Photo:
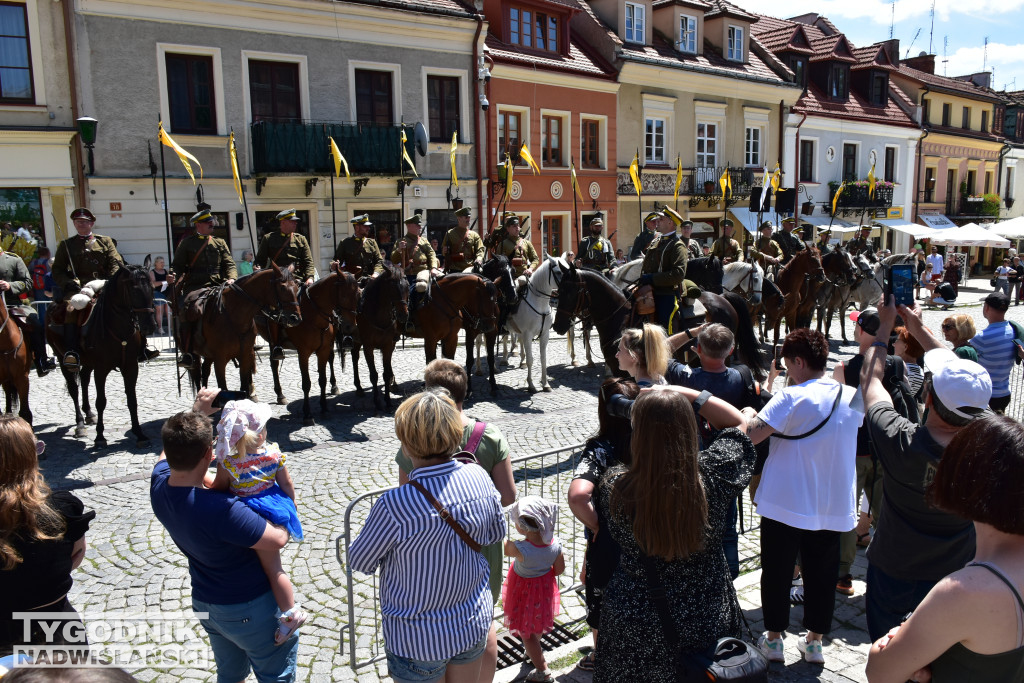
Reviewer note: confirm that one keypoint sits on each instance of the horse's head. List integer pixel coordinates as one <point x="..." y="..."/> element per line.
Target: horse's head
<point x="570" y="286"/>
<point x="816" y="271"/>
<point x="282" y="298"/>
<point x="393" y="295"/>
<point x="498" y="271"/>
<point x="346" y="294"/>
<point x="849" y="273"/>
<point x="131" y="284"/>
<point x="756" y="283"/>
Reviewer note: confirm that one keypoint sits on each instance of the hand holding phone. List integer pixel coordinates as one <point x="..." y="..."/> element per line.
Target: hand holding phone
<point x="899" y="283"/>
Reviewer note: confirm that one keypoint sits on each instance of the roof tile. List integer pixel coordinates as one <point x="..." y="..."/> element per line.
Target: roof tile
<point x="814" y="102"/>
<point x="663" y="52"/>
<point x="577" y="61"/>
<point x="951" y="84"/>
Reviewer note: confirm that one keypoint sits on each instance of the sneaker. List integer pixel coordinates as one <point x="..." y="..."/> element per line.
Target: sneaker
<point x="845" y="585"/>
<point x="811" y="650"/>
<point x="771" y="649"/>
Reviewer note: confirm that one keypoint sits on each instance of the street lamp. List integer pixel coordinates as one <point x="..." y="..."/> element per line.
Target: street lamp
<point x="87" y="131"/>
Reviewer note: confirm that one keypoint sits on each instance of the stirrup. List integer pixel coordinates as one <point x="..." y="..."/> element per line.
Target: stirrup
<point x="347" y="343"/>
<point x="149" y="353"/>
<point x="277" y="353"/>
<point x="187" y="361"/>
<point x="72" y="362"/>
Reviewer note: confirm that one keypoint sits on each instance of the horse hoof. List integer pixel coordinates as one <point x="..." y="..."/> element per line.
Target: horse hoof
<point x="281" y="400"/>
<point x="80" y="432"/>
<point x="360" y="392"/>
<point x="590" y="363"/>
<point x="575" y="363"/>
<point x="547" y="388"/>
<point x="90" y="419"/>
<point x="522" y="365"/>
<point x="308" y="421"/>
<point x="100" y="443"/>
<point x="142" y="443"/>
<point x="335" y="390"/>
<point x="479" y="373"/>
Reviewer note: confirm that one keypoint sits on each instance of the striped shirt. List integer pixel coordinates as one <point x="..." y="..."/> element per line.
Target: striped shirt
<point x="996" y="352"/>
<point x="434" y="594"/>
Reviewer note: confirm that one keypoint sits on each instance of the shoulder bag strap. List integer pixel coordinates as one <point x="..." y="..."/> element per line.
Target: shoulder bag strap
<point x="475" y="436"/>
<point x="196" y="256"/>
<point x="284" y="246"/>
<point x="821" y="424"/>
<point x="691" y="670"/>
<point x="446" y="516"/>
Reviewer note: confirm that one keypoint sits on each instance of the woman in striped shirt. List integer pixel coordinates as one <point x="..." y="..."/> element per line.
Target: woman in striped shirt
<point x="435" y="599"/>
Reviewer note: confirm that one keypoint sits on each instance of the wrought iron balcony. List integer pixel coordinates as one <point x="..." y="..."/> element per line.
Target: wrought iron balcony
<point x="287" y="147"/>
<point x="698" y="181"/>
<point x="855" y="196"/>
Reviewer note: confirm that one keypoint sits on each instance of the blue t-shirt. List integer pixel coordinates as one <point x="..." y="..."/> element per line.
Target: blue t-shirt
<point x="996" y="352"/>
<point x="216" y="531"/>
<point x="726" y="385"/>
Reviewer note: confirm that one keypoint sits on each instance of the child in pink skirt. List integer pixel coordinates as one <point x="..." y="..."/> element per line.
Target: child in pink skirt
<point x="530" y="593"/>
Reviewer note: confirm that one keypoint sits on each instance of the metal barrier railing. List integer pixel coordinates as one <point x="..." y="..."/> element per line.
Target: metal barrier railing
<point x="1016" y="407"/>
<point x="546" y="474"/>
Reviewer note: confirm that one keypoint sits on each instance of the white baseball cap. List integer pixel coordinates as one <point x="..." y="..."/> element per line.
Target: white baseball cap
<point x="963" y="386"/>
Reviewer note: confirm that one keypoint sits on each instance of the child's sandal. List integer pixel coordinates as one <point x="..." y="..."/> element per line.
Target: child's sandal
<point x="538" y="676"/>
<point x="288" y="624"/>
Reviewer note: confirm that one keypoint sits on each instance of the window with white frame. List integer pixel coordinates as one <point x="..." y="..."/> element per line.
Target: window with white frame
<point x="554" y="132"/>
<point x="687" y="34"/>
<point x="752" y="146"/>
<point x="707" y="143"/>
<point x="654" y="140"/>
<point x="889" y="165"/>
<point x="16" y="82"/>
<point x="191" y="87"/>
<point x="635" y="22"/>
<point x="735" y="51"/>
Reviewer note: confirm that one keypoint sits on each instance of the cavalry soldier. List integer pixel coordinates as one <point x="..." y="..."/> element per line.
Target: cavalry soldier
<point x="80" y="259"/>
<point x="692" y="246"/>
<point x="725" y="247"/>
<point x="595" y="251"/>
<point x="286" y="248"/>
<point x="787" y="241"/>
<point x="664" y="268"/>
<point x="15" y="281"/>
<point x="201" y="260"/>
<point x="824" y="235"/>
<point x="414" y="255"/>
<point x="462" y="247"/>
<point x="519" y="251"/>
<point x="359" y="254"/>
<point x="766" y="250"/>
<point x="861" y="244"/>
<point x="648" y="231"/>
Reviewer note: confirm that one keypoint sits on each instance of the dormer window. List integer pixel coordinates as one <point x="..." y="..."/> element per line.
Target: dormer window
<point x="635" y="23"/>
<point x="531" y="29"/>
<point x="879" y="91"/>
<point x="798" y="64"/>
<point x="687" y="34"/>
<point x="838" y="82"/>
<point x="735" y="47"/>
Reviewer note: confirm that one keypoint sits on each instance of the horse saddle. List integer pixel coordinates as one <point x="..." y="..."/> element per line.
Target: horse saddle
<point x="194" y="304"/>
<point x="643" y="300"/>
<point x="57" y="315"/>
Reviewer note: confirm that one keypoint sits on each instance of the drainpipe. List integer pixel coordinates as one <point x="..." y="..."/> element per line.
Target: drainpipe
<point x="796" y="172"/>
<point x="474" y="69"/>
<point x="76" y="153"/>
<point x="920" y="140"/>
<point x="999" y="173"/>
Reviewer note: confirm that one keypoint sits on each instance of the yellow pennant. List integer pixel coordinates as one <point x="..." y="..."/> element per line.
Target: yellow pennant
<point x="575" y="181"/>
<point x="524" y="152"/>
<point x="776" y="178"/>
<point x="455" y="147"/>
<point x="835" y="199"/>
<point x="872" y="181"/>
<point x="508" y="177"/>
<point x="339" y="160"/>
<point x="634" y="173"/>
<point x="234" y="169"/>
<point x="679" y="176"/>
<point x="180" y="151"/>
<point x="405" y="155"/>
<point x="725" y="182"/>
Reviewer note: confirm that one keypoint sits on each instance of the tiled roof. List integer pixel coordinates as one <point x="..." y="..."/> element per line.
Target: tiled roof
<point x="662" y="52"/>
<point x="577" y="61"/>
<point x="965" y="88"/>
<point x="964" y="132"/>
<point x="814" y="102"/>
<point x="896" y="91"/>
<point x="776" y="34"/>
<point x="445" y="7"/>
<point x="831" y="48"/>
<point x="721" y="7"/>
<point x="868" y="58"/>
<point x="783" y="37"/>
<point x="700" y="4"/>
<point x="1015" y="97"/>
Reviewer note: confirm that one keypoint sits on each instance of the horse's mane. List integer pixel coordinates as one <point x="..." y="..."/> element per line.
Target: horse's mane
<point x="371" y="292"/>
<point x="602" y="281"/>
<point x="898" y="259"/>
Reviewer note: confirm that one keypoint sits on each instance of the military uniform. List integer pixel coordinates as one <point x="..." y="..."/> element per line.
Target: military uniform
<point x="595" y="252"/>
<point x="360" y="256"/>
<point x="81" y="259"/>
<point x="765" y="246"/>
<point x="693" y="249"/>
<point x="860" y="245"/>
<point x="789" y="244"/>
<point x="416" y="258"/>
<point x="641" y="243"/>
<point x="664" y="268"/>
<point x="726" y="247"/>
<point x="15" y="273"/>
<point x="202" y="261"/>
<point x="520" y="253"/>
<point x="461" y="250"/>
<point x="286" y="250"/>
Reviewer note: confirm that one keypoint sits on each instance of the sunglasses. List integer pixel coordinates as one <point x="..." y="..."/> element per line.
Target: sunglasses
<point x="948" y="327"/>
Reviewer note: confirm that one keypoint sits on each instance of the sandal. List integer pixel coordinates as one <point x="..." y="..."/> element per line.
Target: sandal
<point x="288" y="624"/>
<point x="538" y="676"/>
<point x="588" y="663"/>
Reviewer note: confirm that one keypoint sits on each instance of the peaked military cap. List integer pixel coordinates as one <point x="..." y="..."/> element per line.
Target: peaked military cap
<point x="287" y="215"/>
<point x="653" y="216"/>
<point x="726" y="223"/>
<point x="789" y="220"/>
<point x="203" y="216"/>
<point x="361" y="219"/>
<point x="83" y="212"/>
<point x="509" y="219"/>
<point x="686" y="224"/>
<point x="415" y="218"/>
<point x="766" y="224"/>
<point x="464" y="211"/>
<point x="596" y="221"/>
<point x="673" y="214"/>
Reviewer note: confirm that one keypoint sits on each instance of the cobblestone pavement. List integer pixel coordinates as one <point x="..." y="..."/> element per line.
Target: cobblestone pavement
<point x="131" y="564"/>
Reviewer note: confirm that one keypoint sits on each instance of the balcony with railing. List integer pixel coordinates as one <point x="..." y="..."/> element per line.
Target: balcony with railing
<point x="699" y="183"/>
<point x="302" y="147"/>
<point x="857" y="195"/>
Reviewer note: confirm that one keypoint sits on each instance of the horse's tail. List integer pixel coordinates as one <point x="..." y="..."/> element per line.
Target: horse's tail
<point x="746" y="342"/>
<point x="338" y="348"/>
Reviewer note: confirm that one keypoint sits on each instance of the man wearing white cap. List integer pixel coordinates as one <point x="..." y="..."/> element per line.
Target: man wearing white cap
<point x="915" y="545"/>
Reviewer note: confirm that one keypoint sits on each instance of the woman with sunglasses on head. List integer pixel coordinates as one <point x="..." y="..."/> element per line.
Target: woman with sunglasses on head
<point x="958" y="330"/>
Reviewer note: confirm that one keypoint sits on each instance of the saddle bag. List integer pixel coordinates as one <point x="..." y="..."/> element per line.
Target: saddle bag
<point x="643" y="300"/>
<point x="516" y="262"/>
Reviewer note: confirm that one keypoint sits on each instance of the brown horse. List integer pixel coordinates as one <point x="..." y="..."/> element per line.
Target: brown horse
<point x="322" y="305"/>
<point x="382" y="315"/>
<point x="111" y="339"/>
<point x="15" y="362"/>
<point x="798" y="281"/>
<point x="459" y="301"/>
<point x="840" y="276"/>
<point x="228" y="330"/>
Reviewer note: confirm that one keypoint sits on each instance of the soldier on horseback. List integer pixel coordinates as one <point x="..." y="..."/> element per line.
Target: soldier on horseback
<point x="861" y="244"/>
<point x="787" y="241"/>
<point x="80" y="259"/>
<point x="664" y="268"/>
<point x="693" y="249"/>
<point x="15" y="281"/>
<point x="648" y="232"/>
<point x="595" y="251"/>
<point x="766" y="250"/>
<point x="414" y="255"/>
<point x="359" y="254"/>
<point x="725" y="247"/>
<point x="285" y="248"/>
<point x="462" y="247"/>
<point x="519" y="251"/>
<point x="824" y="235"/>
<point x="200" y="261"/>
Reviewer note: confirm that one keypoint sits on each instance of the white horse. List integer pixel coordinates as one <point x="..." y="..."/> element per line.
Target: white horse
<point x="744" y="277"/>
<point x="869" y="290"/>
<point x="627" y="274"/>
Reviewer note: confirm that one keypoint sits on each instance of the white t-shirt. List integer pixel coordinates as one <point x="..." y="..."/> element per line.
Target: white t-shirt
<point x="811" y="483"/>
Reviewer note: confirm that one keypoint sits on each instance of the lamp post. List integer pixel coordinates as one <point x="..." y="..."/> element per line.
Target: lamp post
<point x="87" y="131"/>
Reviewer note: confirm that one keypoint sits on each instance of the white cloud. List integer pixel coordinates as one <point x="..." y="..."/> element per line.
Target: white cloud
<point x="880" y="12"/>
<point x="1005" y="60"/>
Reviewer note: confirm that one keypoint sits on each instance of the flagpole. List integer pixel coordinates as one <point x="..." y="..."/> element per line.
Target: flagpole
<point x="639" y="190"/>
<point x="575" y="208"/>
<point x="401" y="170"/>
<point x="170" y="252"/>
<point x="334" y="216"/>
<point x="245" y="204"/>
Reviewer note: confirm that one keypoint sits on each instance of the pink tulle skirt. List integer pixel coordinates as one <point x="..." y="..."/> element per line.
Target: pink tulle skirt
<point x="530" y="604"/>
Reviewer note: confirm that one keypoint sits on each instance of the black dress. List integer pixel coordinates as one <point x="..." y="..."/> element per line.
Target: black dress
<point x="699" y="590"/>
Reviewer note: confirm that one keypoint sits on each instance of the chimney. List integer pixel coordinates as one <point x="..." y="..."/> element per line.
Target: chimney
<point x="923" y="62"/>
<point x="892" y="48"/>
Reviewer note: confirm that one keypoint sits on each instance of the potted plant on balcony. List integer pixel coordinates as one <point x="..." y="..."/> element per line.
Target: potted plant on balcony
<point x="990" y="205"/>
<point x="709" y="187"/>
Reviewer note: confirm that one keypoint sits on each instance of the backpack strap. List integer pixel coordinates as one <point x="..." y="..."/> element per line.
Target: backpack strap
<point x="475" y="437"/>
<point x="821" y="424"/>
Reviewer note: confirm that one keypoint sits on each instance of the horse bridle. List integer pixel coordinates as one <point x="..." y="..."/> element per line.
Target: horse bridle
<point x="275" y="312"/>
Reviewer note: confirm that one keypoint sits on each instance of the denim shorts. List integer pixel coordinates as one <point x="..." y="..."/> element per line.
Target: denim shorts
<point x="242" y="639"/>
<point x="408" y="670"/>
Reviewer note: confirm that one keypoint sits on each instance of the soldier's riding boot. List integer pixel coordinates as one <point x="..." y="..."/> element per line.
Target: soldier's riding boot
<point x="146" y="351"/>
<point x="71" y="361"/>
<point x="186" y="360"/>
<point x="43" y="361"/>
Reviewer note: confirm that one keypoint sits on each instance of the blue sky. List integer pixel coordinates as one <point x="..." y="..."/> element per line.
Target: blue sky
<point x="963" y="24"/>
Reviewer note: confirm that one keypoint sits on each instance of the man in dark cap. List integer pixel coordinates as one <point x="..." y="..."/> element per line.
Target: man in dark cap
<point x="664" y="268"/>
<point x="824" y="235"/>
<point x="595" y="251"/>
<point x="15" y="281"/>
<point x="861" y="244"/>
<point x="766" y="250"/>
<point x="519" y="251"/>
<point x="285" y="247"/>
<point x="648" y="231"/>
<point x="462" y="247"/>
<point x="80" y="259"/>
<point x="414" y="255"/>
<point x="725" y="247"/>
<point x="787" y="241"/>
<point x="693" y="247"/>
<point x="201" y="260"/>
<point x="359" y="253"/>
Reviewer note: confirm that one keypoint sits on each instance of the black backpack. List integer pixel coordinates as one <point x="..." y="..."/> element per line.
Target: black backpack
<point x="894" y="378"/>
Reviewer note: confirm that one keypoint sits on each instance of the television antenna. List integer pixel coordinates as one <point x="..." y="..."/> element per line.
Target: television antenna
<point x="912" y="43"/>
<point x="945" y="59"/>
<point x="931" y="31"/>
